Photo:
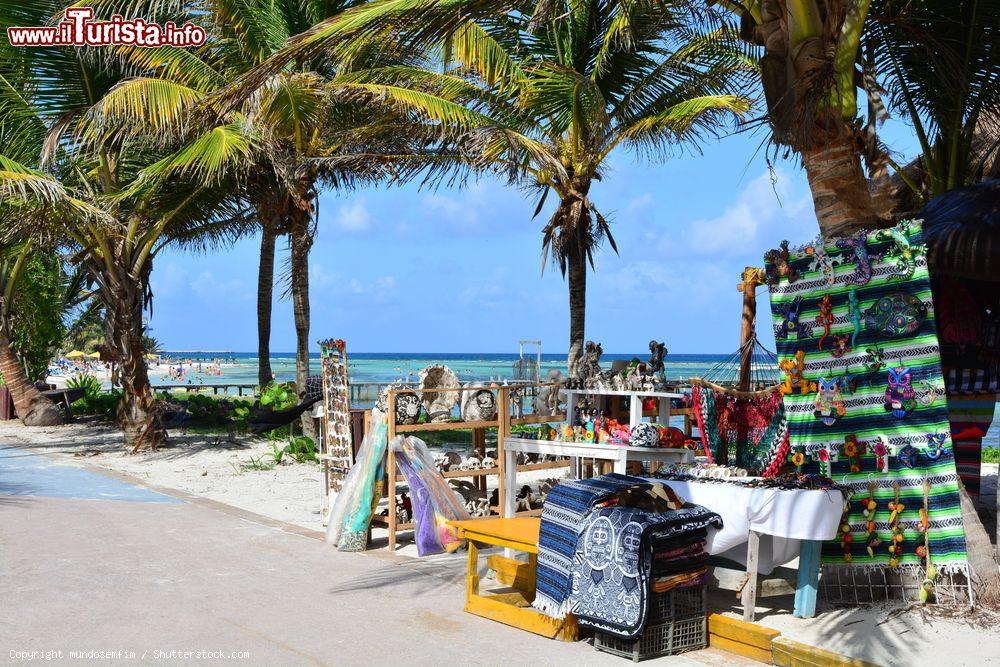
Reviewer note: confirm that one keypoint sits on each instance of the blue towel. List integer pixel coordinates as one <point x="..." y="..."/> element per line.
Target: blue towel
<point x="566" y="506"/>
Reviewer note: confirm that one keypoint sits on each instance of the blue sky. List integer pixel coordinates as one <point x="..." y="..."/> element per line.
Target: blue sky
<point x="459" y="270"/>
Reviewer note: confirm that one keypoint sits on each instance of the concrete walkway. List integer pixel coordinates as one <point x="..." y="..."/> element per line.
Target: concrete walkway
<point x="97" y="563"/>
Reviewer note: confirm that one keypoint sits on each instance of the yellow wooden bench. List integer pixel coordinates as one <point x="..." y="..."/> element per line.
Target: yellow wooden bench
<point x="519" y="534"/>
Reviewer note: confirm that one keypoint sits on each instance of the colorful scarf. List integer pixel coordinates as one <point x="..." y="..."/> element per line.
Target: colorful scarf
<point x="863" y="406"/>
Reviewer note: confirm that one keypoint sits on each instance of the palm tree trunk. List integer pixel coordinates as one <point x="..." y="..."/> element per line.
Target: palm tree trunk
<point x="300" y="239"/>
<point x="839" y="189"/>
<point x="576" y="276"/>
<point x="265" y="295"/>
<point x="137" y="414"/>
<point x="33" y="408"/>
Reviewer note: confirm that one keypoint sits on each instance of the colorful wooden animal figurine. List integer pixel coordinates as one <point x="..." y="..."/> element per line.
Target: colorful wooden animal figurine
<point x="900" y="399"/>
<point x="825" y="318"/>
<point x="896" y="315"/>
<point x="856" y="250"/>
<point x="935" y="445"/>
<point x="794" y="379"/>
<point x="790" y="324"/>
<point x="829" y="401"/>
<point x="875" y="360"/>
<point x="905" y="252"/>
<point x="777" y="265"/>
<point x="823" y="261"/>
<point x="929" y="393"/>
<point x="841" y="346"/>
<point x="854" y="315"/>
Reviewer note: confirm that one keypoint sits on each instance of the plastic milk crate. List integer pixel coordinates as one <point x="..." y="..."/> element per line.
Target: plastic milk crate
<point x="677" y="623"/>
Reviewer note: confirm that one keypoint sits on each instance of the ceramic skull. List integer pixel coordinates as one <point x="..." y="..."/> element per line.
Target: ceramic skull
<point x="644" y="435"/>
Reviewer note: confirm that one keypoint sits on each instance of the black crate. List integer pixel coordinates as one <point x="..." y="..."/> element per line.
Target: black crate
<point x="669" y="638"/>
<point x="677" y="603"/>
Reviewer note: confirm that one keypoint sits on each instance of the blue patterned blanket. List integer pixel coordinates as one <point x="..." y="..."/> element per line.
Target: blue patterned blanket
<point x="566" y="507"/>
<point x="611" y="566"/>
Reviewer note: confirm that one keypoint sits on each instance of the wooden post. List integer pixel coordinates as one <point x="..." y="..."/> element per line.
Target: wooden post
<point x="391" y="468"/>
<point x="808" y="579"/>
<point x="749" y="595"/>
<point x="751" y="278"/>
<point x="503" y="432"/>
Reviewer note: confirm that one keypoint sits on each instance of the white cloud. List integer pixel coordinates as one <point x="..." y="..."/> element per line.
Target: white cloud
<point x="353" y="216"/>
<point x="763" y="213"/>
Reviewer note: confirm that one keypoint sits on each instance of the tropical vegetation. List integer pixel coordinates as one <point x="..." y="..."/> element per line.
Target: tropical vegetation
<point x="108" y="156"/>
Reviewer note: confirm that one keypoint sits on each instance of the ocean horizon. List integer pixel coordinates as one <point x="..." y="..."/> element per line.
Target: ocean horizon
<point x="241" y="367"/>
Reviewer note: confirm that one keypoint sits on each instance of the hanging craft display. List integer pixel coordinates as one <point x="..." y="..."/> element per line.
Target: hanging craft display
<point x="337" y="442"/>
<point x="860" y="401"/>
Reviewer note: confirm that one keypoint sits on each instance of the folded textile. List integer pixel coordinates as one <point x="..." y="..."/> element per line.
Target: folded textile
<point x="692" y="549"/>
<point x="682" y="565"/>
<point x="669" y="543"/>
<point x="682" y="580"/>
<point x="612" y="562"/>
<point x="566" y="507"/>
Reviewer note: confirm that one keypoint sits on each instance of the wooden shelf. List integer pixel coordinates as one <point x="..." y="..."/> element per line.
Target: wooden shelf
<point x="537" y="419"/>
<point x="445" y="426"/>
<point x="479" y="472"/>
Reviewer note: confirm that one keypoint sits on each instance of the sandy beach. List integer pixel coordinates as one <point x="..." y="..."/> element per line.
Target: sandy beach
<point x="211" y="467"/>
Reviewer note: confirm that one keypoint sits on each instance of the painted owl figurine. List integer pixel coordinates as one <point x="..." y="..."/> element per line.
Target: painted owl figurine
<point x="900" y="399"/>
<point x="829" y="401"/>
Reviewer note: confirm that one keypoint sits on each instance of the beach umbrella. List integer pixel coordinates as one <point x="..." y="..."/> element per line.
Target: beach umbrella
<point x="75" y="354"/>
<point x="152" y="356"/>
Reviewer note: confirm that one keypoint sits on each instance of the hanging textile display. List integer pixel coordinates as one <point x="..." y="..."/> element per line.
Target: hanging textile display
<point x="434" y="502"/>
<point x="855" y="330"/>
<point x="749" y="427"/>
<point x="352" y="510"/>
<point x="336" y="412"/>
<point x="971" y="416"/>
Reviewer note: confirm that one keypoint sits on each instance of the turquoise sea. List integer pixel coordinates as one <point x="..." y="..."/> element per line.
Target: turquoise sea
<point x="241" y="368"/>
<point x="389" y="367"/>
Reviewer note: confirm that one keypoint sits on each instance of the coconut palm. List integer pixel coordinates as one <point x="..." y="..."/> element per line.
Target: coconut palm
<point x="544" y="101"/>
<point x="808" y="73"/>
<point x="941" y="72"/>
<point x="301" y="130"/>
<point x="115" y="173"/>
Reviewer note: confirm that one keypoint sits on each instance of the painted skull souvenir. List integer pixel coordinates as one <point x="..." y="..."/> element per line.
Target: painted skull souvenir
<point x="644" y="435"/>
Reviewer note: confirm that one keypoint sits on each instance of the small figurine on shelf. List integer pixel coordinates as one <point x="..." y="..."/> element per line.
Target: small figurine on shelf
<point x="523" y="499"/>
<point x="404" y="510"/>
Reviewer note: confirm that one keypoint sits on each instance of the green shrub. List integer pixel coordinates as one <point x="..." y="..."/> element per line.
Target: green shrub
<point x="88" y="382"/>
<point x="101" y="405"/>
<point x="991" y="455"/>
<point x="301" y="448"/>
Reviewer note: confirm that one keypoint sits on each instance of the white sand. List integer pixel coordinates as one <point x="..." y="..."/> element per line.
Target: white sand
<point x="210" y="467"/>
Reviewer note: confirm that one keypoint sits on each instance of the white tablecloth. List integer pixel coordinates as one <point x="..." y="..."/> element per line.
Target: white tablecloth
<point x="782" y="518"/>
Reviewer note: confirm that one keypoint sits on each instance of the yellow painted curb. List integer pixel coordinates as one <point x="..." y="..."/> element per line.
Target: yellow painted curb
<point x="789" y="653"/>
<point x="769" y="647"/>
<point x="746" y="639"/>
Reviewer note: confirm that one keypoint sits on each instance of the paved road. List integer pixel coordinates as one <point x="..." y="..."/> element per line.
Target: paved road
<point x="91" y="562"/>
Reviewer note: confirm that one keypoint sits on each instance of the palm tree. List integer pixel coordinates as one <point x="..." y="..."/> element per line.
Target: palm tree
<point x="33" y="408"/>
<point x="941" y="72"/>
<point x="808" y="72"/>
<point x="544" y="100"/>
<point x="116" y="173"/>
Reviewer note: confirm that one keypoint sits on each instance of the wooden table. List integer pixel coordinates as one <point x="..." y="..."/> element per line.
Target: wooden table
<point x="517" y="534"/>
<point x="620" y="455"/>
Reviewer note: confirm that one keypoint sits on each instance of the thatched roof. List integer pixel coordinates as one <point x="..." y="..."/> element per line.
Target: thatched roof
<point x="963" y="232"/>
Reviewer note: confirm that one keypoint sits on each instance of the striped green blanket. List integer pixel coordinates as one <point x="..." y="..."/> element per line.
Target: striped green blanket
<point x="863" y="391"/>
